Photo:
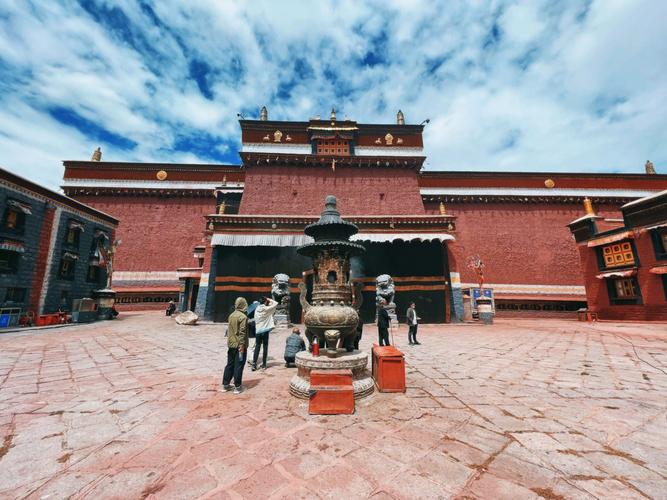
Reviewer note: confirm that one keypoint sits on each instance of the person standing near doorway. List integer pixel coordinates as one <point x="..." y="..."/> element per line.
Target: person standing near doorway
<point x="237" y="342"/>
<point x="263" y="326"/>
<point x="383" y="323"/>
<point x="251" y="328"/>
<point x="413" y="320"/>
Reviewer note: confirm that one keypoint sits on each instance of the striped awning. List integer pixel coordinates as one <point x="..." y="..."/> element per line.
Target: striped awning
<point x="23" y="207"/>
<point x="296" y="240"/>
<point x="612" y="238"/>
<point x="12" y="246"/>
<point x="617" y="274"/>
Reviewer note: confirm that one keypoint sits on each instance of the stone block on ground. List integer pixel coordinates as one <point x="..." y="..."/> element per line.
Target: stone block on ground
<point x="186" y="318"/>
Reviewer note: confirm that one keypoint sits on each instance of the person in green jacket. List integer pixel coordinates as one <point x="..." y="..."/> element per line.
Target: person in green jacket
<point x="237" y="345"/>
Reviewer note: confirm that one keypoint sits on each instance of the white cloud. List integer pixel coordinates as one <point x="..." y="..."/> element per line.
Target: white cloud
<point x="566" y="87"/>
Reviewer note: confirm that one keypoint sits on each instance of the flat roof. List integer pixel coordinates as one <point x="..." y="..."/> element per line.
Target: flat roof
<point x="53" y="195"/>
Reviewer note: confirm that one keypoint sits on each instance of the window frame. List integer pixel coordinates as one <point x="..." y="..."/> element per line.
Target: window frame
<point x="615" y="300"/>
<point x="659" y="239"/>
<point x="70" y="273"/>
<point x="600" y="256"/>
<point x="14" y="257"/>
<point x="19" y="228"/>
<point x="8" y="299"/>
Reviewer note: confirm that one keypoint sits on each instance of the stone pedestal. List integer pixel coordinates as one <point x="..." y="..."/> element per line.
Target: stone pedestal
<point x="281" y="320"/>
<point x="484" y="310"/>
<point x="106" y="299"/>
<point x="362" y="382"/>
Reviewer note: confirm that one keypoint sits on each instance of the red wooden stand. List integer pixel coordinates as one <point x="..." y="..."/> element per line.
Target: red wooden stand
<point x="331" y="392"/>
<point x="388" y="369"/>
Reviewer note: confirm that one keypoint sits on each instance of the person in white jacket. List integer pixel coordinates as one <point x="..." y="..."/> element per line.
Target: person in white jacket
<point x="263" y="326"/>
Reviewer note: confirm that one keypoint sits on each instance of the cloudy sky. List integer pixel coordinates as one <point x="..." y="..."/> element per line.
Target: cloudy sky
<point x="551" y="86"/>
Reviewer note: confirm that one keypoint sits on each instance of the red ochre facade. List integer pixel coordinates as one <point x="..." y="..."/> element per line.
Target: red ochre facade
<point x="300" y="191"/>
<point x="523" y="239"/>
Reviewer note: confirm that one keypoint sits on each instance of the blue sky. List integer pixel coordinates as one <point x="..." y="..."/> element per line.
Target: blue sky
<point x="528" y="86"/>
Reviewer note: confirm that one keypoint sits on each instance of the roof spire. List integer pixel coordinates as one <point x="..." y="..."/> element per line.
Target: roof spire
<point x="588" y="206"/>
<point x="400" y="119"/>
<point x="263" y="114"/>
<point x="333" y="114"/>
<point x="97" y="155"/>
<point x="649" y="167"/>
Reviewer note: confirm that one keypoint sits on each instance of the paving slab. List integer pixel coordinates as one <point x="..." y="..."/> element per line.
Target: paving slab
<point x="132" y="408"/>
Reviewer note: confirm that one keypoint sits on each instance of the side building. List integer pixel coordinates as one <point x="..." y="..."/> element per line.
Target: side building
<point x="624" y="261"/>
<point x="51" y="248"/>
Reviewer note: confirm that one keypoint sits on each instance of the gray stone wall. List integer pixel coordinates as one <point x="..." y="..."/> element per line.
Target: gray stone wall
<point x="63" y="291"/>
<point x="75" y="288"/>
<point x="23" y="277"/>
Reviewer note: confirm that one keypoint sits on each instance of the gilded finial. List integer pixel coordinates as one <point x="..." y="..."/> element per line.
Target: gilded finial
<point x="221" y="208"/>
<point x="400" y="119"/>
<point x="442" y="208"/>
<point x="588" y="206"/>
<point x="649" y="167"/>
<point x="333" y="114"/>
<point x="263" y="114"/>
<point x="224" y="180"/>
<point x="97" y="155"/>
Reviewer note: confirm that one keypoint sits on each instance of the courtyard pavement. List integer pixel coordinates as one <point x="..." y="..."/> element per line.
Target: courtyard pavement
<point x="522" y="409"/>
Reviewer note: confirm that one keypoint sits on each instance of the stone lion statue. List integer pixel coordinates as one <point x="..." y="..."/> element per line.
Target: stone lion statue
<point x="384" y="289"/>
<point x="280" y="292"/>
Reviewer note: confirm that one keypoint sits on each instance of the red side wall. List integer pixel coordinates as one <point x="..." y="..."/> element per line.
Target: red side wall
<point x="519" y="243"/>
<point x="301" y="191"/>
<point x="654" y="305"/>
<point x="157" y="233"/>
<point x="42" y="259"/>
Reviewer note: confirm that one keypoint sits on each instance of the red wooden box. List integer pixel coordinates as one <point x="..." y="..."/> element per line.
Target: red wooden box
<point x="388" y="369"/>
<point x="331" y="377"/>
<point x="331" y="400"/>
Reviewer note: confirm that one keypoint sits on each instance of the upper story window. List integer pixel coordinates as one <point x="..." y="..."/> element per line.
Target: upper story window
<point x="10" y="255"/>
<point x="618" y="255"/>
<point x="67" y="266"/>
<point x="73" y="235"/>
<point x="14" y="217"/>
<point x="659" y="237"/>
<point x="335" y="147"/>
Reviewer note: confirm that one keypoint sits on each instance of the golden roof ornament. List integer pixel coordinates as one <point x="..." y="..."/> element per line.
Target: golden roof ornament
<point x="221" y="208"/>
<point x="263" y="114"/>
<point x="649" y="167"/>
<point x="333" y="114"/>
<point x="161" y="175"/>
<point x="97" y="155"/>
<point x="549" y="183"/>
<point x="400" y="119"/>
<point x="277" y="136"/>
<point x="389" y="139"/>
<point x="442" y="209"/>
<point x="588" y="206"/>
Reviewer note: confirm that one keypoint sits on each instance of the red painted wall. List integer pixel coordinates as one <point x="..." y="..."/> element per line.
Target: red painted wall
<point x="654" y="305"/>
<point x="519" y="243"/>
<point x="301" y="191"/>
<point x="157" y="233"/>
<point x="42" y="259"/>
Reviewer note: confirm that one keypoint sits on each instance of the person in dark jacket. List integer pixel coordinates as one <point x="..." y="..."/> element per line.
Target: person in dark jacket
<point x="383" y="323"/>
<point x="251" y="328"/>
<point x="171" y="308"/>
<point x="293" y="345"/>
<point x="360" y="332"/>
<point x="237" y="345"/>
<point x="413" y="320"/>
